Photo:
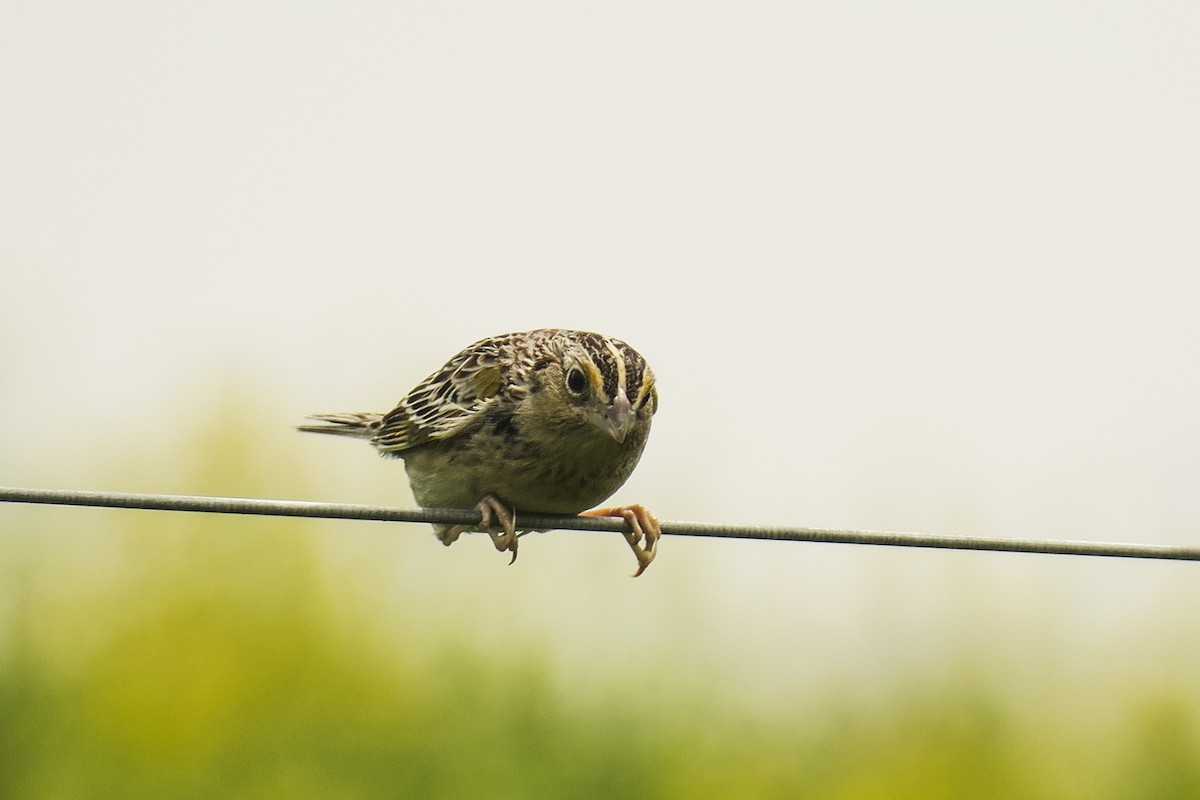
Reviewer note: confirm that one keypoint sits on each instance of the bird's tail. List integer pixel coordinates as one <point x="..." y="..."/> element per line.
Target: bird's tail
<point x="360" y="425"/>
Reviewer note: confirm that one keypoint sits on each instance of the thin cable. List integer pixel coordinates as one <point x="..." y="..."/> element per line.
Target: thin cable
<point x="303" y="508"/>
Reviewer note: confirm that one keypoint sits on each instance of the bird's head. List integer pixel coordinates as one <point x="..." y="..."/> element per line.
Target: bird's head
<point x="601" y="381"/>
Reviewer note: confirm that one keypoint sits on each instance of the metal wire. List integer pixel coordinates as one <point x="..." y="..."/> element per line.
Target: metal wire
<point x="302" y="508"/>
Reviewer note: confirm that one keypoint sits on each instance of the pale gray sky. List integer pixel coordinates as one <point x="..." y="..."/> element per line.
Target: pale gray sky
<point x="912" y="266"/>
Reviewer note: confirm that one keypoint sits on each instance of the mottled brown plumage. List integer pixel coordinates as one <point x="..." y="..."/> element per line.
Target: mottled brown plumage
<point x="550" y="421"/>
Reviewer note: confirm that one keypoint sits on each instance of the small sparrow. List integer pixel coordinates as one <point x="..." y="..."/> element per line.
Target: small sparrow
<point x="547" y="421"/>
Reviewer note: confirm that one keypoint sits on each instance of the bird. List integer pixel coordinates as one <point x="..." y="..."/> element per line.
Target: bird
<point x="549" y="421"/>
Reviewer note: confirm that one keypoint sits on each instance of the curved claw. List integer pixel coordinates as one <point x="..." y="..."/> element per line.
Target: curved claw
<point x="492" y="510"/>
<point x="643" y="527"/>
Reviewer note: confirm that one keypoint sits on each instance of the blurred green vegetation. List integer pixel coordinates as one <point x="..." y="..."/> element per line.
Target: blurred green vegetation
<point x="173" y="655"/>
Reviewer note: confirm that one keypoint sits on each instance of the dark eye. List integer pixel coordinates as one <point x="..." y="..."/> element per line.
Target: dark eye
<point x="576" y="380"/>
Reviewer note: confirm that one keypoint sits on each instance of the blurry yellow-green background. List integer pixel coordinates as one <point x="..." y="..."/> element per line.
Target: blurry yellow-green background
<point x="908" y="267"/>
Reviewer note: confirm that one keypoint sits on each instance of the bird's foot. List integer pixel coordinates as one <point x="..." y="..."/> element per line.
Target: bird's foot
<point x="643" y="532"/>
<point x="493" y="512"/>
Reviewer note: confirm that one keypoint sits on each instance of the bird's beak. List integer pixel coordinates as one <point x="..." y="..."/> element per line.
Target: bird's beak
<point x="618" y="417"/>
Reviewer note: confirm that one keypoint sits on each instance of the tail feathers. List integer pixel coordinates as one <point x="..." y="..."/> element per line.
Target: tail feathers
<point x="358" y="426"/>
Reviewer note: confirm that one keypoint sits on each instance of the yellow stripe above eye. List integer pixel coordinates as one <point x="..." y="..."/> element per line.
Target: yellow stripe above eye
<point x="594" y="375"/>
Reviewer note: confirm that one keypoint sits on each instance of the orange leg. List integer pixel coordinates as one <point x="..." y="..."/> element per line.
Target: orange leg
<point x="643" y="533"/>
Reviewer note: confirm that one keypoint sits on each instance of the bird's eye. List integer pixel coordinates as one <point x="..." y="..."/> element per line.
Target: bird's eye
<point x="576" y="380"/>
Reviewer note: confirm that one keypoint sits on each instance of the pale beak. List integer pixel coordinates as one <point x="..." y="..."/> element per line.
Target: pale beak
<point x="618" y="417"/>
